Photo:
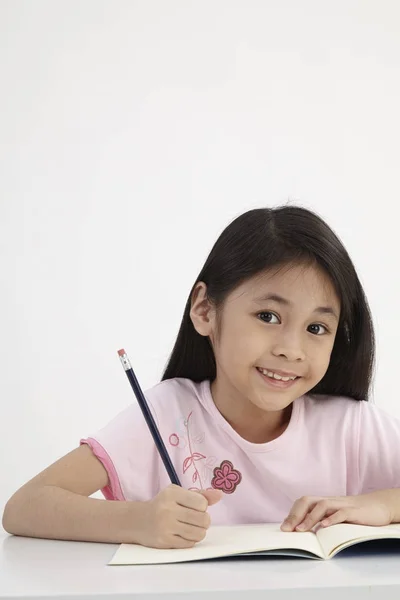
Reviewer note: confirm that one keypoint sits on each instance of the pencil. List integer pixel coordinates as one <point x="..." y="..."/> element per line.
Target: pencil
<point x="148" y="417"/>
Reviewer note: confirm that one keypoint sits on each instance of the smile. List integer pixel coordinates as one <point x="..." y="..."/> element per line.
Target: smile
<point x="273" y="375"/>
<point x="272" y="380"/>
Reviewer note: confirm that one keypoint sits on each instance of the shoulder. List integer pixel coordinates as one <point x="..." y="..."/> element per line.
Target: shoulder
<point x="345" y="410"/>
<point x="174" y="394"/>
<point x="325" y="406"/>
<point x="364" y="438"/>
<point x="165" y="400"/>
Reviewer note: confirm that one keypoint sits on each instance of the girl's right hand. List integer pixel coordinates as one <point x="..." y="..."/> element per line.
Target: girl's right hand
<point x="175" y="518"/>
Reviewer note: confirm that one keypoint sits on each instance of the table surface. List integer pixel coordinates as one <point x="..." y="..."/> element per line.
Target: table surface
<point x="33" y="568"/>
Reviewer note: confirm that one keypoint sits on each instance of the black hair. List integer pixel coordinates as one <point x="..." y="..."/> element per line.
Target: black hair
<point x="263" y="239"/>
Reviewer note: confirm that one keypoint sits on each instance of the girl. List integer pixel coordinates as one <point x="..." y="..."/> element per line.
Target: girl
<point x="263" y="407"/>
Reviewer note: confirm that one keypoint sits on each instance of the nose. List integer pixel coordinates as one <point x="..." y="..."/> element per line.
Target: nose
<point x="290" y="349"/>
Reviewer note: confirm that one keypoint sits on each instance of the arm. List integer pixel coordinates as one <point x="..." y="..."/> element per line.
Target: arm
<point x="55" y="504"/>
<point x="378" y="508"/>
<point x="376" y="473"/>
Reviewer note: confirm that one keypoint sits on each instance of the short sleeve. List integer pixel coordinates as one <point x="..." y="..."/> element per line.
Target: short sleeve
<point x="379" y="449"/>
<point x="127" y="451"/>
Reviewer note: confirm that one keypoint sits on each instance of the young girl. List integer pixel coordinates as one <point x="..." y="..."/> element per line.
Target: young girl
<point x="262" y="407"/>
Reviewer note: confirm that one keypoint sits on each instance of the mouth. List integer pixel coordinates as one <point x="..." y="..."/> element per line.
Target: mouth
<point x="277" y="381"/>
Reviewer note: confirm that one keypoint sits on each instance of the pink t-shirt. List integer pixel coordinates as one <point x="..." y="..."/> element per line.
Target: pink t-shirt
<point x="333" y="446"/>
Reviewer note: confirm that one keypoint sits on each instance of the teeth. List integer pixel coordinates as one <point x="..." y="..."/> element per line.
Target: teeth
<point x="276" y="376"/>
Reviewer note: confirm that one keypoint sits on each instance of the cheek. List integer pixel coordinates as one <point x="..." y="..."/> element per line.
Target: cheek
<point x="319" y="358"/>
<point x="239" y="347"/>
<point x="248" y="352"/>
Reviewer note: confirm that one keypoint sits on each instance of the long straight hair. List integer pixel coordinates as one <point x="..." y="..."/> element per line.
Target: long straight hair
<point x="264" y="239"/>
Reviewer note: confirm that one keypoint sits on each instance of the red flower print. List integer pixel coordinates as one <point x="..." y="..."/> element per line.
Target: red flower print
<point x="226" y="478"/>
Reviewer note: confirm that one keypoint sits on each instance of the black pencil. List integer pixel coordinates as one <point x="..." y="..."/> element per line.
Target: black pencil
<point x="148" y="417"/>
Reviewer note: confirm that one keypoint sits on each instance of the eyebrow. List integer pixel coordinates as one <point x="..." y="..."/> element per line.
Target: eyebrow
<point x="323" y="310"/>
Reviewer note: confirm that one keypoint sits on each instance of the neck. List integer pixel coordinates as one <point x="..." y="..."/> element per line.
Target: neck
<point x="249" y="421"/>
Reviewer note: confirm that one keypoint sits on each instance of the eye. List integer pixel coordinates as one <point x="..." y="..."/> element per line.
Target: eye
<point x="269" y="314"/>
<point x="319" y="325"/>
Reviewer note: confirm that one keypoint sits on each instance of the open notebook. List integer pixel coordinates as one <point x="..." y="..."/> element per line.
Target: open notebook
<point x="236" y="540"/>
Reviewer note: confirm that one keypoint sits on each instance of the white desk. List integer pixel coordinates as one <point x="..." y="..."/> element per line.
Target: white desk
<point x="34" y="569"/>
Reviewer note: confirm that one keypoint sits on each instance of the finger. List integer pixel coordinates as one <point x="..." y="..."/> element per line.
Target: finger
<point x="180" y="542"/>
<point x="322" y="509"/>
<point x="193" y="517"/>
<point x="340" y="516"/>
<point x="190" y="532"/>
<point x="298" y="512"/>
<point x="212" y="496"/>
<point x="190" y="499"/>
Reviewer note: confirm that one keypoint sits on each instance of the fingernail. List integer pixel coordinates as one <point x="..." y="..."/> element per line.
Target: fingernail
<point x="300" y="527"/>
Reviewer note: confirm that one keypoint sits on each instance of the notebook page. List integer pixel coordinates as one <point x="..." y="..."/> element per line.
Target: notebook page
<point x="335" y="537"/>
<point x="222" y="541"/>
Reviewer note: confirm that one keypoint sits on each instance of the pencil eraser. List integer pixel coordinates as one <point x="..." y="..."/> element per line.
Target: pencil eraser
<point x="121" y="352"/>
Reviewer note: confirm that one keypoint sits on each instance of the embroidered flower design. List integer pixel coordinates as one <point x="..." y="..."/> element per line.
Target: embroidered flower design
<point x="189" y="461"/>
<point x="174" y="439"/>
<point x="178" y="441"/>
<point x="226" y="478"/>
<point x="188" y="434"/>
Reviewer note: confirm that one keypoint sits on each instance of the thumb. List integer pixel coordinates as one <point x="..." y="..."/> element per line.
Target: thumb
<point x="212" y="496"/>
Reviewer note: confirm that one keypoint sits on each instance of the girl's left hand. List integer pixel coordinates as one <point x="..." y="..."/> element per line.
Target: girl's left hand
<point x="366" y="509"/>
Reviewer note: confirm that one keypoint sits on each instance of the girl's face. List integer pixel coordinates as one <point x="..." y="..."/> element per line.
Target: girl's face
<point x="284" y="322"/>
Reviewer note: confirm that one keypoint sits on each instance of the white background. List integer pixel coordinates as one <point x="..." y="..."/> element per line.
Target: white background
<point x="131" y="134"/>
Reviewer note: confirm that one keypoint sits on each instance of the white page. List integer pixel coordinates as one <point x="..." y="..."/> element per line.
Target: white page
<point x="222" y="541"/>
<point x="347" y="534"/>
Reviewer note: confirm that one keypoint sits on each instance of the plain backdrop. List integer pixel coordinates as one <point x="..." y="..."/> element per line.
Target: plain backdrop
<point x="131" y="134"/>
